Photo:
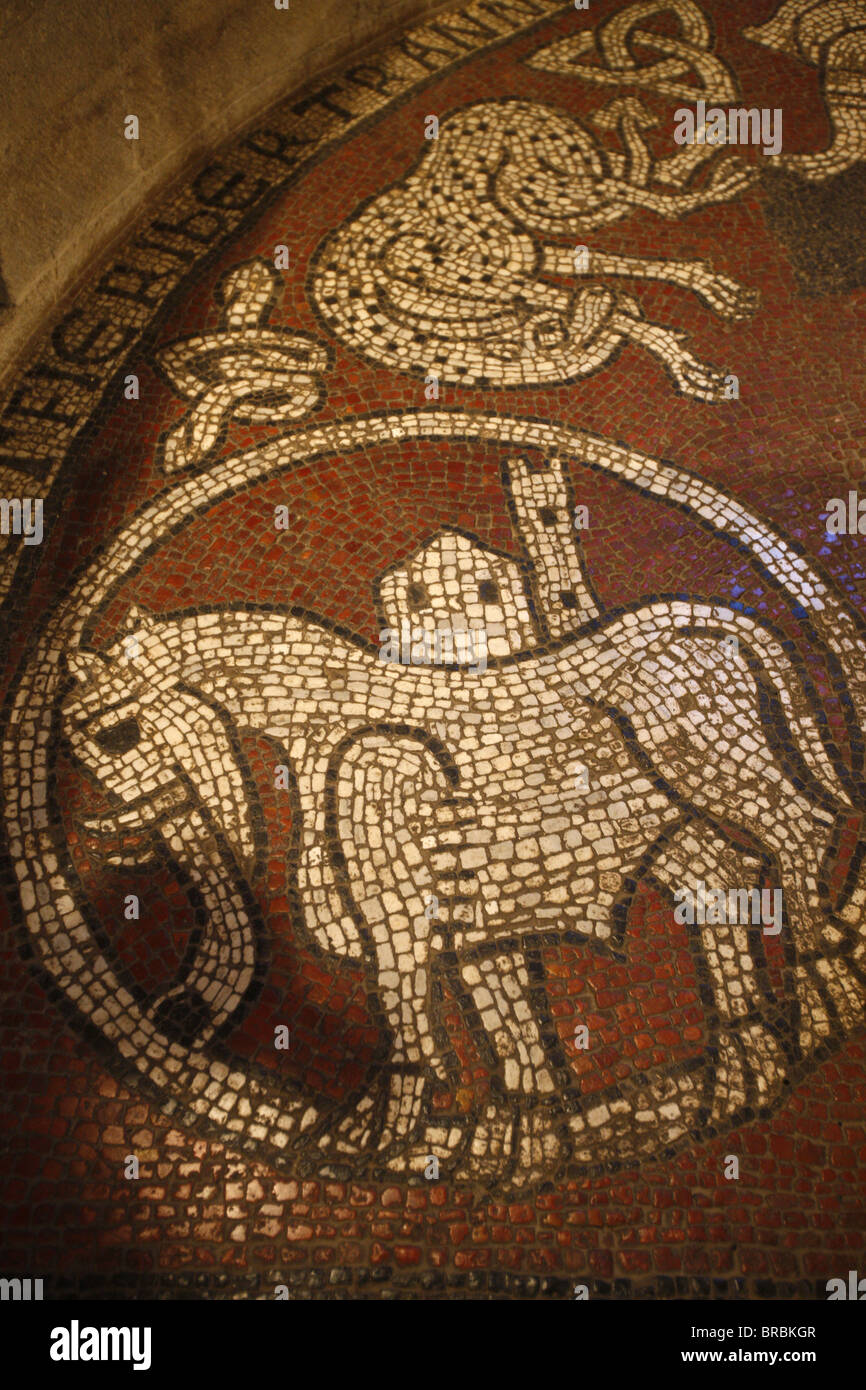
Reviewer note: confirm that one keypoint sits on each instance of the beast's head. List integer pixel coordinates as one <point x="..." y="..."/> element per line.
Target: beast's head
<point x="153" y="743"/>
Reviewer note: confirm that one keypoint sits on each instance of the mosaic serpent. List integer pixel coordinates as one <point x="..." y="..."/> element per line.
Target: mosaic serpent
<point x="399" y="784"/>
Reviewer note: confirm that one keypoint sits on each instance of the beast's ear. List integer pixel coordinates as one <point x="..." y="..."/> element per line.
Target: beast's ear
<point x="85" y="666"/>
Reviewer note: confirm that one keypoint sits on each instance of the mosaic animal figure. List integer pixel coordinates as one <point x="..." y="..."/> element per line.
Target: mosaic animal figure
<point x="457" y="270"/>
<point x="527" y="798"/>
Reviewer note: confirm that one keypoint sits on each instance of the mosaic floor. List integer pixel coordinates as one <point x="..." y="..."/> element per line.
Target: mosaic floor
<point x="433" y="732"/>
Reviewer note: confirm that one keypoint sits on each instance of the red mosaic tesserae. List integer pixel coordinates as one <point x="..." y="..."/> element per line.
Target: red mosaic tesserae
<point x="434" y="712"/>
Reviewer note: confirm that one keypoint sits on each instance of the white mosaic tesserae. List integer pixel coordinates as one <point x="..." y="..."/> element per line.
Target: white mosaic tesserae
<point x="400" y="693"/>
<point x="455" y="784"/>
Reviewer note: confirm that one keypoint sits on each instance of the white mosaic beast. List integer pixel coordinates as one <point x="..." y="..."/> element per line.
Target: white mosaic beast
<point x="448" y="818"/>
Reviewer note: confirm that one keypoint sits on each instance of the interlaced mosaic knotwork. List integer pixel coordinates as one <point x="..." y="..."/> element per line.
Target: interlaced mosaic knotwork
<point x="610" y="54"/>
<point x="247" y="371"/>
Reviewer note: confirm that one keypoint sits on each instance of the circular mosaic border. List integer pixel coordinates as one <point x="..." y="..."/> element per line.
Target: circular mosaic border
<point x="245" y="1110"/>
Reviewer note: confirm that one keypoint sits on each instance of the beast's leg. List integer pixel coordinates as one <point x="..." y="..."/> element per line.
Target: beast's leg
<point x="746" y="1067"/>
<point x="515" y="1135"/>
<point x="500" y="989"/>
<point x="727" y="180"/>
<point x="717" y="751"/>
<point x="721" y="294"/>
<point x="752" y="1066"/>
<point x="693" y="377"/>
<point x="388" y="792"/>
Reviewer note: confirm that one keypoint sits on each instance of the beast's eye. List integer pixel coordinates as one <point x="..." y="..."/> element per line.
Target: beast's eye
<point x="120" y="737"/>
<point x="417" y="596"/>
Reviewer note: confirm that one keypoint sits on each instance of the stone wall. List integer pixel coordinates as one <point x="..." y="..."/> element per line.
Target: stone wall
<point x="193" y="73"/>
